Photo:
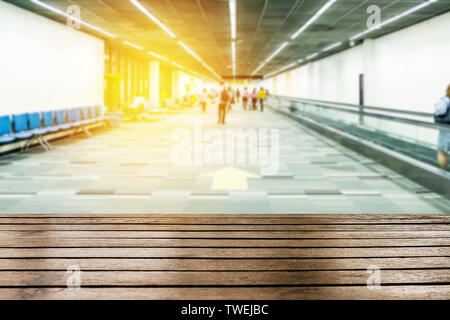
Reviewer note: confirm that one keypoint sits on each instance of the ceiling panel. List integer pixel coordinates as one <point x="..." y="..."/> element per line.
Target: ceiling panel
<point x="262" y="26"/>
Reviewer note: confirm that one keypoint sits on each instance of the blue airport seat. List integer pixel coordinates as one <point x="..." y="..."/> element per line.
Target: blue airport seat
<point x="61" y="120"/>
<point x="96" y="115"/>
<point x="7" y="139"/>
<point x="87" y="118"/>
<point x="74" y="117"/>
<point x="99" y="112"/>
<point x="34" y="121"/>
<point x="20" y="122"/>
<point x="5" y="130"/>
<point x="93" y="113"/>
<point x="49" y="121"/>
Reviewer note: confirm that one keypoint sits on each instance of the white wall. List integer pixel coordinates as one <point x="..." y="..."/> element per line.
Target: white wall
<point x="46" y="65"/>
<point x="408" y="69"/>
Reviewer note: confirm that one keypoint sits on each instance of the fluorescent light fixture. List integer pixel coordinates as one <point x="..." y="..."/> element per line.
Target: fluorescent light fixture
<point x="271" y="57"/>
<point x="177" y="65"/>
<point x="284" y="45"/>
<point x="196" y="57"/>
<point x="62" y="13"/>
<point x="133" y="45"/>
<point x="288" y="66"/>
<point x="233" y="56"/>
<point x="334" y="45"/>
<point x="210" y="69"/>
<point x="312" y="56"/>
<point x="313" y="18"/>
<point x="192" y="53"/>
<point x="233" y="51"/>
<point x="152" y="17"/>
<point x="232" y="6"/>
<point x="282" y="69"/>
<point x="158" y="56"/>
<point x="395" y="18"/>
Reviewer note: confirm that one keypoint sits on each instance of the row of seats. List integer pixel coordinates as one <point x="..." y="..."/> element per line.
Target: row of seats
<point x="27" y="125"/>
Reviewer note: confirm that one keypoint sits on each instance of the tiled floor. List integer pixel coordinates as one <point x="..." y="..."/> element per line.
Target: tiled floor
<point x="130" y="170"/>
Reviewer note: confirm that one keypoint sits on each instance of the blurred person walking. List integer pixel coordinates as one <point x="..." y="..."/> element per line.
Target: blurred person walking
<point x="238" y="95"/>
<point x="203" y="96"/>
<point x="245" y="98"/>
<point x="224" y="100"/>
<point x="254" y="99"/>
<point x="442" y="116"/>
<point x="261" y="97"/>
<point x="232" y="98"/>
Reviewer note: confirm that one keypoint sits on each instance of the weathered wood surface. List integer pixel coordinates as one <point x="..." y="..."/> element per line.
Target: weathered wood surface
<point x="225" y="256"/>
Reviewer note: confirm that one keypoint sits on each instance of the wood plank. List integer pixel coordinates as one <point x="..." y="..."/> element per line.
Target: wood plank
<point x="208" y="278"/>
<point x="222" y="252"/>
<point x="408" y="292"/>
<point x="236" y="219"/>
<point x="215" y="227"/>
<point x="232" y="215"/>
<point x="225" y="256"/>
<point x="225" y="264"/>
<point x="217" y="243"/>
<point x="228" y="234"/>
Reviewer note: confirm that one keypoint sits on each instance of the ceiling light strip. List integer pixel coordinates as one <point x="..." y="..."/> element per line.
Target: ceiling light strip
<point x="282" y="69"/>
<point x="395" y="18"/>
<point x="88" y="25"/>
<point x="232" y="7"/>
<point x="133" y="45"/>
<point x="152" y="17"/>
<point x="284" y="45"/>
<point x="233" y="56"/>
<point x="192" y="53"/>
<point x="359" y="35"/>
<point x="100" y="30"/>
<point x="331" y="47"/>
<point x="313" y="18"/>
<point x="312" y="56"/>
<point x="158" y="56"/>
<point x="159" y="23"/>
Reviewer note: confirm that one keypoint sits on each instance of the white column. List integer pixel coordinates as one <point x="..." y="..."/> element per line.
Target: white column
<point x="175" y="80"/>
<point x="154" y="84"/>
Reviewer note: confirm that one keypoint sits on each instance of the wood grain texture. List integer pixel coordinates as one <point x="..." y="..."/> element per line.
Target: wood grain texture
<point x="223" y="252"/>
<point x="225" y="256"/>
<point x="196" y="264"/>
<point x="218" y="243"/>
<point x="411" y="292"/>
<point x="226" y="235"/>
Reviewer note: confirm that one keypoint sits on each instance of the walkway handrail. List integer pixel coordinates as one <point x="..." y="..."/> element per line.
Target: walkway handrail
<point x="361" y="112"/>
<point x="357" y="106"/>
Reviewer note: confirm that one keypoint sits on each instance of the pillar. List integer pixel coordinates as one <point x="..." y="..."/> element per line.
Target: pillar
<point x="175" y="84"/>
<point x="154" y="84"/>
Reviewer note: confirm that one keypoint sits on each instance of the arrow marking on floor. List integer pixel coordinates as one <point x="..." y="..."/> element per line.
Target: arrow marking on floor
<point x="230" y="179"/>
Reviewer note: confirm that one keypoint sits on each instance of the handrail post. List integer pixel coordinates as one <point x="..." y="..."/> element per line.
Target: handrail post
<point x="361" y="114"/>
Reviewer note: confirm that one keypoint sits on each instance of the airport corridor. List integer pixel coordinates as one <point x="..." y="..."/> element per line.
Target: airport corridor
<point x="130" y="170"/>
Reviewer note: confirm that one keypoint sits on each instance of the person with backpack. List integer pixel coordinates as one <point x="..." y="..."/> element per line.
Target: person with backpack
<point x="442" y="116"/>
<point x="245" y="98"/>
<point x="224" y="100"/>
